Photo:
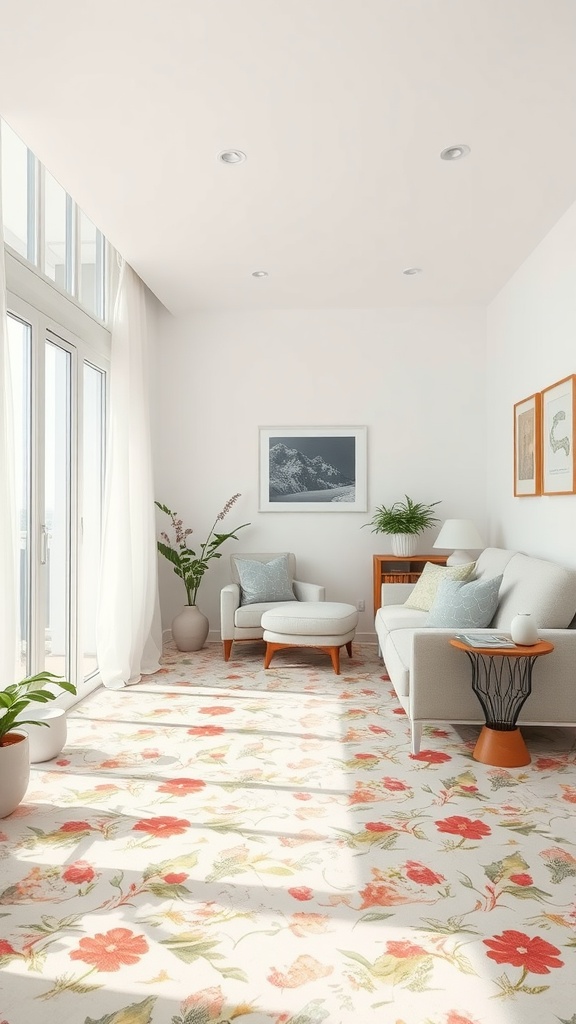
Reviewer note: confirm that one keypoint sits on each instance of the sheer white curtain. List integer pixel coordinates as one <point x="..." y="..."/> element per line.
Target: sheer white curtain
<point x="128" y="629"/>
<point x="9" y="631"/>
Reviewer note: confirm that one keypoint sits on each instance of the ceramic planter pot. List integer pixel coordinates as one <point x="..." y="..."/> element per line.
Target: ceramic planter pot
<point x="14" y="770"/>
<point x="46" y="741"/>
<point x="190" y="629"/>
<point x="404" y="544"/>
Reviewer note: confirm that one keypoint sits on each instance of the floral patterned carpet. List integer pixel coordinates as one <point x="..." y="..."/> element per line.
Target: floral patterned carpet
<point x="226" y="844"/>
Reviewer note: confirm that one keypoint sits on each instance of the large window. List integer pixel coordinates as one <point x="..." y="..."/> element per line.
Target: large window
<point x="59" y="427"/>
<point x="44" y="226"/>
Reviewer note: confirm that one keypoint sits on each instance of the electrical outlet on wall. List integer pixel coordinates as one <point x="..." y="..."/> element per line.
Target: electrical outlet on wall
<point x="360" y="605"/>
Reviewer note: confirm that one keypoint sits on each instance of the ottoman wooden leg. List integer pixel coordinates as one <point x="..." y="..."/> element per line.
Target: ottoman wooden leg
<point x="334" y="653"/>
<point x="270" y="651"/>
<point x="349" y="648"/>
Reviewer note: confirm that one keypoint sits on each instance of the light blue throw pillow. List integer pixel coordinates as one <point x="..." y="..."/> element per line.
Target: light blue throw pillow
<point x="262" y="582"/>
<point x="465" y="605"/>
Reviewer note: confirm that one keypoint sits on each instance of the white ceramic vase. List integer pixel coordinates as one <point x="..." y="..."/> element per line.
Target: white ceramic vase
<point x="46" y="741"/>
<point x="404" y="544"/>
<point x="523" y="630"/>
<point x="14" y="770"/>
<point x="190" y="628"/>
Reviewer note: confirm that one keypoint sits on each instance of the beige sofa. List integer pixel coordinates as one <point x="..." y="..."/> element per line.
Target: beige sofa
<point x="432" y="679"/>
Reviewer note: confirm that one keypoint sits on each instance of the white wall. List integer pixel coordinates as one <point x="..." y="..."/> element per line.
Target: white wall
<point x="531" y="330"/>
<point x="414" y="377"/>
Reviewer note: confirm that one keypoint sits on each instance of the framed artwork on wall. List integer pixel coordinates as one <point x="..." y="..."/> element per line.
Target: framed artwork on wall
<point x="313" y="469"/>
<point x="558" y="457"/>
<point x="528" y="447"/>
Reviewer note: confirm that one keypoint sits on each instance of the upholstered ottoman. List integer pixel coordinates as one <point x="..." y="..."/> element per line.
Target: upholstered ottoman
<point x="326" y="625"/>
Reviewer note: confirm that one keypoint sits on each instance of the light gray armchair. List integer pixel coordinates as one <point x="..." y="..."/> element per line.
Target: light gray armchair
<point x="242" y="621"/>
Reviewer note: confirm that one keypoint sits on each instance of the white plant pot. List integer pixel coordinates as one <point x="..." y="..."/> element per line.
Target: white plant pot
<point x="523" y="630"/>
<point x="404" y="544"/>
<point x="14" y="770"/>
<point x="46" y="741"/>
<point x="190" y="629"/>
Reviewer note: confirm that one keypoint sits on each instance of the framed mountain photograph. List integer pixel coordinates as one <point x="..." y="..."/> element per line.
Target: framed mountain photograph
<point x="313" y="469"/>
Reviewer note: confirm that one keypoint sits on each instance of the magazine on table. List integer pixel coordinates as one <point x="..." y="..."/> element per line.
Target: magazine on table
<point x="485" y="640"/>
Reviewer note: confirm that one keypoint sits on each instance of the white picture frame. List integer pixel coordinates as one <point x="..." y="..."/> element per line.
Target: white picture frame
<point x="558" y="436"/>
<point x="327" y="473"/>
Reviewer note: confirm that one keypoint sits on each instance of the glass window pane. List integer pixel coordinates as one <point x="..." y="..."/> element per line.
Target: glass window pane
<point x="19" y="343"/>
<point x="15" y="191"/>
<point x="93" y="476"/>
<point x="57" y="456"/>
<point x="55" y="230"/>
<point x="91" y="266"/>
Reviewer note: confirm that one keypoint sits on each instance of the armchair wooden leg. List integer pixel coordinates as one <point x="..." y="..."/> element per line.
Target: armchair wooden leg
<point x="349" y="648"/>
<point x="227" y="649"/>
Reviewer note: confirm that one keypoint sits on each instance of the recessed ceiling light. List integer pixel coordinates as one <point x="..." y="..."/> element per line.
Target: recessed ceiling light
<point x="454" y="152"/>
<point x="410" y="271"/>
<point x="259" y="273"/>
<point x="232" y="156"/>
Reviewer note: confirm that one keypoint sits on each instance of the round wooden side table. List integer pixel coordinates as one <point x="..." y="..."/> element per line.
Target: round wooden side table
<point x="502" y="681"/>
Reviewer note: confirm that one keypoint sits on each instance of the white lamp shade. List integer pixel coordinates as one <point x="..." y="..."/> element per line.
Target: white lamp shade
<point x="462" y="536"/>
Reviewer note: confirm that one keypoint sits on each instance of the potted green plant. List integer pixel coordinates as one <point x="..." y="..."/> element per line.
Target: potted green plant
<point x="190" y="627"/>
<point x="403" y="520"/>
<point x="15" y="702"/>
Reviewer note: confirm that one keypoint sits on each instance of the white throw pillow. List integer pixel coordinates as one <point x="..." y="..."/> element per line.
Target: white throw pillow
<point x="262" y="582"/>
<point x="465" y="605"/>
<point x="422" y="597"/>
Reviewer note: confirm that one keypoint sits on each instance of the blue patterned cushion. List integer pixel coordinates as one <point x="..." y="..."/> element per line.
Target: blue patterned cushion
<point x="465" y="605"/>
<point x="261" y="582"/>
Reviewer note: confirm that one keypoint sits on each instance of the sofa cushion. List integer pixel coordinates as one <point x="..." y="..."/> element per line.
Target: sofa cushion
<point x="398" y="616"/>
<point x="262" y="582"/>
<point x="545" y="589"/>
<point x="492" y="562"/>
<point x="422" y="597"/>
<point x="465" y="605"/>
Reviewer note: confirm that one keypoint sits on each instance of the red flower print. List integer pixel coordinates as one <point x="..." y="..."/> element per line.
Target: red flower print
<point x="302" y="796"/>
<point x="6" y="949"/>
<point x="181" y="787"/>
<point x="379" y="895"/>
<point x="63" y="762"/>
<point x="422" y="875"/>
<point x="302" y="892"/>
<point x="518" y="949"/>
<point x="522" y="879"/>
<point x="217" y="710"/>
<point x="175" y="878"/>
<point x="547" y="763"/>
<point x="377" y="729"/>
<point x="569" y="794"/>
<point x="109" y="951"/>
<point x="378" y="826"/>
<point x="464" y="827"/>
<point x="366" y="757"/>
<point x="206" y="730"/>
<point x="105" y="786"/>
<point x="399" y="711"/>
<point x="79" y="872"/>
<point x="404" y="950"/>
<point x="431" y="756"/>
<point x="394" y="785"/>
<point x="162" y="826"/>
<point x="75" y="826"/>
<point x="454" y="1017"/>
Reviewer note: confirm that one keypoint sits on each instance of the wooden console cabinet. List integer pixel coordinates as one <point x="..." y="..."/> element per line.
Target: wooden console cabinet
<point x="397" y="569"/>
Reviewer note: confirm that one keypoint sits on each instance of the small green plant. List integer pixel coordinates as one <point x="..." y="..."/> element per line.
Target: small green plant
<point x="187" y="565"/>
<point x="18" y="696"/>
<point x="403" y="517"/>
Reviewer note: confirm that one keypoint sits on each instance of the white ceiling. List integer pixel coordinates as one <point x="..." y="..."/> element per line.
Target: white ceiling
<point x="342" y="107"/>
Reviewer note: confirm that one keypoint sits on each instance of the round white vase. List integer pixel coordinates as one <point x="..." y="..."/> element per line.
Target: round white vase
<point x="14" y="770"/>
<point x="404" y="544"/>
<point x="190" y="628"/>
<point x="523" y="630"/>
<point x="46" y="741"/>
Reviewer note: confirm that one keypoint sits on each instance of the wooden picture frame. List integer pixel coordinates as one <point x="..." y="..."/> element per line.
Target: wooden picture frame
<point x="528" y="447"/>
<point x="313" y="469"/>
<point x="558" y="437"/>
